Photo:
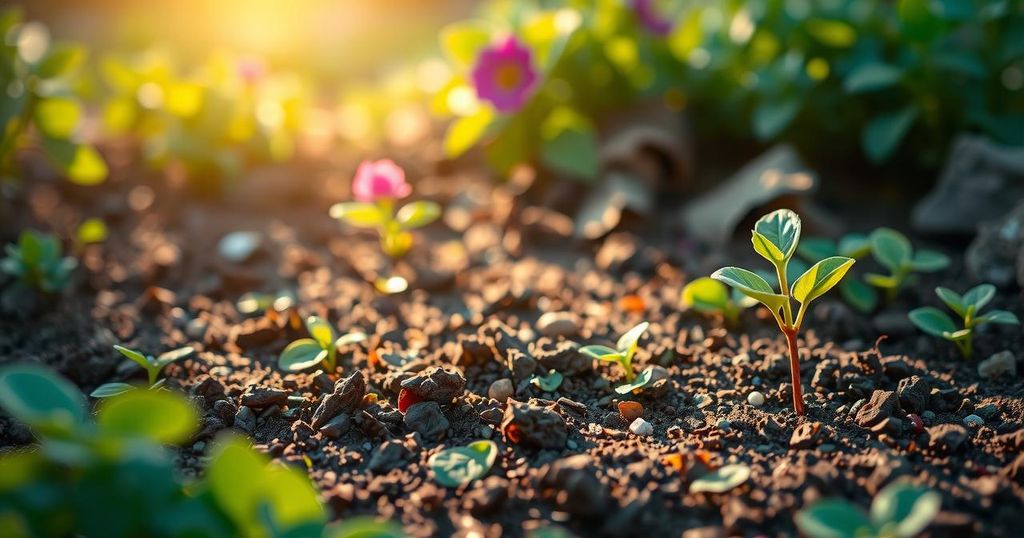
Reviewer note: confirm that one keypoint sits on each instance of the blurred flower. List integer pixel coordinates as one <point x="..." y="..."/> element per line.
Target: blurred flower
<point x="651" y="17"/>
<point x="504" y="75"/>
<point x="379" y="179"/>
<point x="251" y="69"/>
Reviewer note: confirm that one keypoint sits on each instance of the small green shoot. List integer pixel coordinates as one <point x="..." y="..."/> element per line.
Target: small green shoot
<point x="623" y="354"/>
<point x="775" y="237"/>
<point x="36" y="262"/>
<point x="455" y="467"/>
<point x="549" y="382"/>
<point x="898" y="511"/>
<point x="152" y="365"/>
<point x="710" y="297"/>
<point x="855" y="292"/>
<point x="968" y="306"/>
<point x="893" y="251"/>
<point x="322" y="348"/>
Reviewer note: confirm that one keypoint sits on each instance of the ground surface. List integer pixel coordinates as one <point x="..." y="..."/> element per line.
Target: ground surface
<point x="158" y="283"/>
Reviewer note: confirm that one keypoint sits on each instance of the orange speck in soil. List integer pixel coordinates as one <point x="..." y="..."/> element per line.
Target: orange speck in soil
<point x="632" y="303"/>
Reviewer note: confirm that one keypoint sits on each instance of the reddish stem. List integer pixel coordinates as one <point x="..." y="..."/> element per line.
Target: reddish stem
<point x="794" y="371"/>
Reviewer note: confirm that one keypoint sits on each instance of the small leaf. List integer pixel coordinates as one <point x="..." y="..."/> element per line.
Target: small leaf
<point x="929" y="260"/>
<point x="953" y="300"/>
<point x="881" y="281"/>
<point x="628" y="341"/>
<point x="320" y="330"/>
<point x="160" y="416"/>
<point x="418" y="214"/>
<point x="772" y="117"/>
<point x="962" y="334"/>
<point x="782" y="229"/>
<point x="979" y="296"/>
<point x="820" y="278"/>
<point x="931" y="320"/>
<point x="60" y="60"/>
<point x="1001" y="317"/>
<point x="834" y="33"/>
<point x="859" y="295"/>
<point x="350" y="338"/>
<point x="750" y="285"/>
<point x="58" y="117"/>
<point x="107" y="390"/>
<point x="166" y="358"/>
<point x="890" y="248"/>
<point x="87" y="167"/>
<point x="301" y="354"/>
<point x="706" y="295"/>
<point x="722" y="479"/>
<point x="815" y="249"/>
<point x="883" y="134"/>
<point x="459" y="466"/>
<point x="466" y="131"/>
<point x="40" y="398"/>
<point x="833" y="519"/>
<point x="358" y="214"/>
<point x="134" y="356"/>
<point x="548" y="383"/>
<point x="640" y="382"/>
<point x="462" y="41"/>
<point x="854" y="246"/>
<point x="601" y="352"/>
<point x="872" y="76"/>
<point x="905" y="509"/>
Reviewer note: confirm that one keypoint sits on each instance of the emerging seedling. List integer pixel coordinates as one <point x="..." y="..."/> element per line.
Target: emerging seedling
<point x="893" y="251"/>
<point x="775" y="237"/>
<point x="321" y="349"/>
<point x="710" y="297"/>
<point x="854" y="291"/>
<point x="36" y="261"/>
<point x="936" y="323"/>
<point x="898" y="511"/>
<point x="623" y="356"/>
<point x="152" y="365"/>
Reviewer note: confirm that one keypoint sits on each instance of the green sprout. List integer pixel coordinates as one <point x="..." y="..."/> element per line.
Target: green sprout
<point x="36" y="262"/>
<point x="623" y="356"/>
<point x="893" y="251"/>
<point x="710" y="297"/>
<point x="775" y="237"/>
<point x="152" y="365"/>
<point x="968" y="306"/>
<point x="855" y="292"/>
<point x="321" y="349"/>
<point x="395" y="237"/>
<point x="900" y="510"/>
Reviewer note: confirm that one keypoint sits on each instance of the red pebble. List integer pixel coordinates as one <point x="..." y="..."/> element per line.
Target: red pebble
<point x="406" y="399"/>
<point x="916" y="421"/>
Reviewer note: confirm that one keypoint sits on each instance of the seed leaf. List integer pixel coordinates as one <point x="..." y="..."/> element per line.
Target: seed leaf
<point x="722" y="479"/>
<point x="931" y="320"/>
<point x="952" y="299"/>
<point x="548" y="383"/>
<point x="166" y="358"/>
<point x="833" y="519"/>
<point x="148" y="414"/>
<point x="881" y="281"/>
<point x="461" y="465"/>
<point x="962" y="334"/>
<point x="999" y="316"/>
<point x="929" y="260"/>
<point x="705" y="295"/>
<point x="40" y="398"/>
<point x="781" y="228"/>
<point x="107" y="390"/>
<point x="350" y="338"/>
<point x="134" y="356"/>
<point x="820" y="278"/>
<point x="358" y="214"/>
<point x="301" y="354"/>
<point x="979" y="296"/>
<point x="910" y="508"/>
<point x="750" y="285"/>
<point x="891" y="248"/>
<point x="320" y="330"/>
<point x="859" y="295"/>
<point x="628" y="341"/>
<point x="604" y="353"/>
<point x="640" y="382"/>
<point x="418" y="214"/>
<point x="366" y="527"/>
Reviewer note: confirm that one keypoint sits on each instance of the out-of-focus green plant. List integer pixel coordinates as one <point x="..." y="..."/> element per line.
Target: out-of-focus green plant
<point x="854" y="291"/>
<point x="38" y="96"/>
<point x="900" y="510"/>
<point x="893" y="250"/>
<point x="968" y="306"/>
<point x="113" y="478"/>
<point x="710" y="297"/>
<point x="152" y="365"/>
<point x="320" y="349"/>
<point x="36" y="262"/>
<point x="622" y="355"/>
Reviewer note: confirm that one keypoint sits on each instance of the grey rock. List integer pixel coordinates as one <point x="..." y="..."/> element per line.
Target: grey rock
<point x="237" y="247"/>
<point x="501" y="390"/>
<point x="575" y="487"/>
<point x="389" y="454"/>
<point x="1002" y="363"/>
<point x="260" y="397"/>
<point x="347" y="396"/>
<point x="946" y="439"/>
<point x="437" y="384"/>
<point x="914" y="392"/>
<point x="427" y="419"/>
<point x="336" y="427"/>
<point x="532" y="425"/>
<point x="554" y="324"/>
<point x="245" y="419"/>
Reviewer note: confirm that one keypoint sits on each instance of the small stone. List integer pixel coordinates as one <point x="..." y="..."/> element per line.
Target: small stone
<point x="245" y="419"/>
<point x="928" y="415"/>
<point x="913" y="393"/>
<point x="631" y="410"/>
<point x="755" y="399"/>
<point x="239" y="246"/>
<point x="336" y="427"/>
<point x="998" y="364"/>
<point x="346" y="398"/>
<point x="973" y="421"/>
<point x="501" y="390"/>
<point x="724" y="425"/>
<point x="879" y="408"/>
<point x="554" y="324"/>
<point x="703" y="400"/>
<point x="260" y="397"/>
<point x="805" y="435"/>
<point x="987" y="411"/>
<point x="427" y="419"/>
<point x="533" y="425"/>
<point x="641" y="427"/>
<point x="437" y="383"/>
<point x="389" y="455"/>
<point x="946" y="438"/>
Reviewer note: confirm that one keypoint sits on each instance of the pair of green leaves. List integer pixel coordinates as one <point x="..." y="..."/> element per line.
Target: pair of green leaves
<point x="321" y="348"/>
<point x="395" y="238"/>
<point x="968" y="306"/>
<point x="623" y="353"/>
<point x="36" y="262"/>
<point x="893" y="250"/>
<point x="152" y="365"/>
<point x="458" y="466"/>
<point x="899" y="510"/>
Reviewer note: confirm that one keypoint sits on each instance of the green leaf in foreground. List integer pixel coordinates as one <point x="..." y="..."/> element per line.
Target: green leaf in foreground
<point x="820" y="278"/>
<point x="751" y="285"/>
<point x="36" y="396"/>
<point x="640" y="382"/>
<point x="458" y="466"/>
<point x="156" y="415"/>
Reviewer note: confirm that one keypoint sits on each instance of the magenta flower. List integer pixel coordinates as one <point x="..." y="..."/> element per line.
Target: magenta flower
<point x="649" y="15"/>
<point x="504" y="75"/>
<point x="379" y="179"/>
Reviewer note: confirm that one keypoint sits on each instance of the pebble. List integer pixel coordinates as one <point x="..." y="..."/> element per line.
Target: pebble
<point x="724" y="425"/>
<point x="973" y="421"/>
<point x="553" y="324"/>
<point x="641" y="427"/>
<point x="755" y="399"/>
<point x="427" y="419"/>
<point x="757" y="381"/>
<point x="438" y="384"/>
<point x="501" y="390"/>
<point x="238" y="246"/>
<point x="631" y="410"/>
<point x="998" y="364"/>
<point x="702" y="400"/>
<point x="571" y="445"/>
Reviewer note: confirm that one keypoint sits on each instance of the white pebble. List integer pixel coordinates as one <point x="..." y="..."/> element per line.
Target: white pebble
<point x="755" y="399"/>
<point x="973" y="421"/>
<point x="641" y="427"/>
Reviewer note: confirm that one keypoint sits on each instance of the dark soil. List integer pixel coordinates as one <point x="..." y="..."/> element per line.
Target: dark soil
<point x="480" y="281"/>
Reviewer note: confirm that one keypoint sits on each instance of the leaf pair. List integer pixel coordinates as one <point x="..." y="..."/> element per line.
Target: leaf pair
<point x="893" y="251"/>
<point x="899" y="510"/>
<point x="321" y="348"/>
<point x="937" y="323"/>
<point x="395" y="238"/>
<point x="623" y="354"/>
<point x="152" y="365"/>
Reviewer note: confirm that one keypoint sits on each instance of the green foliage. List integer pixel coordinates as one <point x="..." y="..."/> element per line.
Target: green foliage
<point x="623" y="353"/>
<point x="320" y="349"/>
<point x="458" y="466"/>
<point x="711" y="297"/>
<point x="40" y="83"/>
<point x="968" y="307"/>
<point x="893" y="250"/>
<point x="900" y="510"/>
<point x="549" y="382"/>
<point x="722" y="479"/>
<point x="152" y="365"/>
<point x="855" y="292"/>
<point x="36" y="262"/>
<point x="395" y="238"/>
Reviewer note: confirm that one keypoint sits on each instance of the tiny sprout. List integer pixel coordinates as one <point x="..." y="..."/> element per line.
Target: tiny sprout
<point x="623" y="356"/>
<point x="900" y="510"/>
<point x="377" y="186"/>
<point x="322" y="348"/>
<point x="855" y="292"/>
<point x="893" y="251"/>
<point x="936" y="323"/>
<point x="36" y="262"/>
<point x="710" y="297"/>
<point x="549" y="382"/>
<point x="152" y="365"/>
<point x="775" y="237"/>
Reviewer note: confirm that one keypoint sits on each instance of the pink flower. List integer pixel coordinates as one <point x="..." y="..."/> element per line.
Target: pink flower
<point x="251" y="69"/>
<point x="379" y="179"/>
<point x="504" y="75"/>
<point x="649" y="14"/>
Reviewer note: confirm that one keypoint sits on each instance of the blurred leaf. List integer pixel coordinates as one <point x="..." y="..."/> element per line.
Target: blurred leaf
<point x="932" y="321"/>
<point x="92" y="230"/>
<point x="721" y="480"/>
<point x="321" y="331"/>
<point x="706" y="295"/>
<point x="58" y="117"/>
<point x="905" y="509"/>
<point x="929" y="260"/>
<point x="687" y="36"/>
<point x="572" y="151"/>
<point x="834" y="33"/>
<point x="301" y="354"/>
<point x="772" y="117"/>
<point x="171" y="356"/>
<point x="918" y="21"/>
<point x="107" y="390"/>
<point x="466" y="131"/>
<point x="859" y="295"/>
<point x="418" y="214"/>
<point x="60" y="60"/>
<point x="978" y="296"/>
<point x="365" y="527"/>
<point x="891" y="248"/>
<point x="358" y="214"/>
<point x="86" y="167"/>
<point x="883" y="134"/>
<point x="134" y="356"/>
<point x="158" y="415"/>
<point x="833" y="519"/>
<point x="640" y="382"/>
<point x="458" y="466"/>
<point x="462" y="41"/>
<point x="40" y="398"/>
<point x="872" y="76"/>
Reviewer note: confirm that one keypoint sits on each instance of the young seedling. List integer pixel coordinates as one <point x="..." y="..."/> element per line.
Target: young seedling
<point x="623" y="356"/>
<point x="36" y="262"/>
<point x="710" y="297"/>
<point x="968" y="306"/>
<point x="898" y="511"/>
<point x="775" y="237"/>
<point x="321" y="349"/>
<point x="152" y="365"/>
<point x="855" y="292"/>
<point x="893" y="251"/>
